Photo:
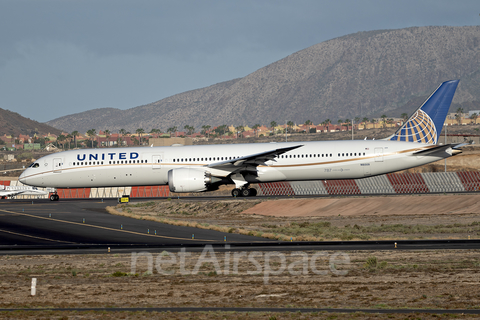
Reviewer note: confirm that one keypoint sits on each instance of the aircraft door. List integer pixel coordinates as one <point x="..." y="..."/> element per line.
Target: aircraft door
<point x="156" y="161"/>
<point x="378" y="154"/>
<point x="57" y="165"/>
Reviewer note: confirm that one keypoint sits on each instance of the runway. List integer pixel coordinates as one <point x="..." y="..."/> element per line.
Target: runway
<point x="84" y="223"/>
<point x="84" y="226"/>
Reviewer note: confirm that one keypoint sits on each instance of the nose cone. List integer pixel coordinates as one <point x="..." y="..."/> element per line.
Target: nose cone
<point x="23" y="178"/>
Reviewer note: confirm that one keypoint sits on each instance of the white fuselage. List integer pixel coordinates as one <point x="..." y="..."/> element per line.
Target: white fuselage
<point x="319" y="160"/>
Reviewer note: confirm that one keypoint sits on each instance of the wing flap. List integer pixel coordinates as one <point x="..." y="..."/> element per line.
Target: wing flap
<point x="253" y="159"/>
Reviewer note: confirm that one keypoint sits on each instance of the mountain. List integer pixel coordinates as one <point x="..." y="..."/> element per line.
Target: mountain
<point x="13" y="123"/>
<point x="364" y="74"/>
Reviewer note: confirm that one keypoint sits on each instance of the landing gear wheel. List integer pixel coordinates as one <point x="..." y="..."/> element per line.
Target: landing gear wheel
<point x="57" y="197"/>
<point x="236" y="193"/>
<point x="246" y="192"/>
<point x="53" y="197"/>
<point x="253" y="192"/>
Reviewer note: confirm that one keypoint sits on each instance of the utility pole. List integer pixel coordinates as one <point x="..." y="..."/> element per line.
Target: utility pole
<point x="353" y="123"/>
<point x="445" y="144"/>
<point x="286" y="129"/>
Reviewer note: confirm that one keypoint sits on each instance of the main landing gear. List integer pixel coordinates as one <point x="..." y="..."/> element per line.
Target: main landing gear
<point x="54" y="197"/>
<point x="244" y="192"/>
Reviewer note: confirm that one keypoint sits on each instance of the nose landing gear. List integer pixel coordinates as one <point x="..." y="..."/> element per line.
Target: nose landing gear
<point x="54" y="197"/>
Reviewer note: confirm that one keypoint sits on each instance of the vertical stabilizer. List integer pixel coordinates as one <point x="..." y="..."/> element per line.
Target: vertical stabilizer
<point x="425" y="124"/>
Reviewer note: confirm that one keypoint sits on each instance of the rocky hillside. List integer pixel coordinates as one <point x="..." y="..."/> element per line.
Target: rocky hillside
<point x="364" y="74"/>
<point x="13" y="123"/>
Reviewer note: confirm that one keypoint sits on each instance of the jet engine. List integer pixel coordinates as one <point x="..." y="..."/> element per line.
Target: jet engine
<point x="190" y="180"/>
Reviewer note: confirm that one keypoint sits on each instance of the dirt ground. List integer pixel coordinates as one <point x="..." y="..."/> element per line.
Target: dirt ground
<point x="354" y="279"/>
<point x="440" y="279"/>
<point x="335" y="218"/>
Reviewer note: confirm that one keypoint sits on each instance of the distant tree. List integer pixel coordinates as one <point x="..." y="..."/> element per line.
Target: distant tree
<point x="60" y="140"/>
<point x="221" y="130"/>
<point x="459" y="115"/>
<point x="347" y="122"/>
<point x="140" y="131"/>
<point x="107" y="135"/>
<point x="157" y="131"/>
<point x="365" y="120"/>
<point x="404" y="117"/>
<point x="172" y="130"/>
<point x="255" y="129"/>
<point x="123" y="132"/>
<point x="206" y="130"/>
<point x="190" y="130"/>
<point x="290" y="125"/>
<point x="239" y="129"/>
<point x="69" y="139"/>
<point x="357" y="120"/>
<point x="273" y="125"/>
<point x="384" y="119"/>
<point x="75" y="135"/>
<point x="474" y="117"/>
<point x="92" y="134"/>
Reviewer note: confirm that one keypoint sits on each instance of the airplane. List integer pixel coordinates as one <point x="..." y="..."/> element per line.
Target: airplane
<point x="202" y="168"/>
<point x="12" y="191"/>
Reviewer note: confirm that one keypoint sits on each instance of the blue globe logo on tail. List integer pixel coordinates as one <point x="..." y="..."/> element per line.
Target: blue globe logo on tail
<point x="425" y="124"/>
<point x="419" y="128"/>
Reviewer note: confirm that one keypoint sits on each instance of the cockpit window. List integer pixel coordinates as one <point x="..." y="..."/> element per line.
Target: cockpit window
<point x="34" y="165"/>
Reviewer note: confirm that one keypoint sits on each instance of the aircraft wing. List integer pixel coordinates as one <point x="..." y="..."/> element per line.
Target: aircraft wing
<point x="9" y="193"/>
<point x="251" y="161"/>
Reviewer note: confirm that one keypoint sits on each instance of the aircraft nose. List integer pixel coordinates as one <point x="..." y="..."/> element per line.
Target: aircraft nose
<point x="23" y="178"/>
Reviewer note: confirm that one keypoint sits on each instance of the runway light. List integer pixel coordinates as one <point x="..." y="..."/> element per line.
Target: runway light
<point x="155" y="232"/>
<point x="23" y="210"/>
<point x="225" y="238"/>
<point x="148" y="231"/>
<point x="121" y="227"/>
<point x="34" y="286"/>
<point x="108" y="249"/>
<point x="193" y="236"/>
<point x="49" y="215"/>
<point x="83" y="220"/>
<point x="32" y="202"/>
<point x="395" y="245"/>
<point x="291" y="239"/>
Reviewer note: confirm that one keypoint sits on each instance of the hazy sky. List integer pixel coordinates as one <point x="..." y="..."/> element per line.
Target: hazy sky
<point x="59" y="57"/>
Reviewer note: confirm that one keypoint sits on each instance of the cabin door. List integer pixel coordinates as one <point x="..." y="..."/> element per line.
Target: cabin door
<point x="157" y="161"/>
<point x="378" y="154"/>
<point x="57" y="165"/>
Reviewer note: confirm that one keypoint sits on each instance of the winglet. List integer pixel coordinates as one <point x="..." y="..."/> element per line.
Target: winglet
<point x="425" y="124"/>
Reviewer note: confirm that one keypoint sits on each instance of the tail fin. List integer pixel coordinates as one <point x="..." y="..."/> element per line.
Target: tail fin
<point x="425" y="124"/>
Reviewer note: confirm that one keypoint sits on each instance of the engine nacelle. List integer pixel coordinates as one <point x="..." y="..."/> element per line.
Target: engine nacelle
<point x="189" y="180"/>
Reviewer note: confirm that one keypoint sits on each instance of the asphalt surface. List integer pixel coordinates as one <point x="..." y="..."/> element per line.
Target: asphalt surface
<point x="83" y="223"/>
<point x="84" y="226"/>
